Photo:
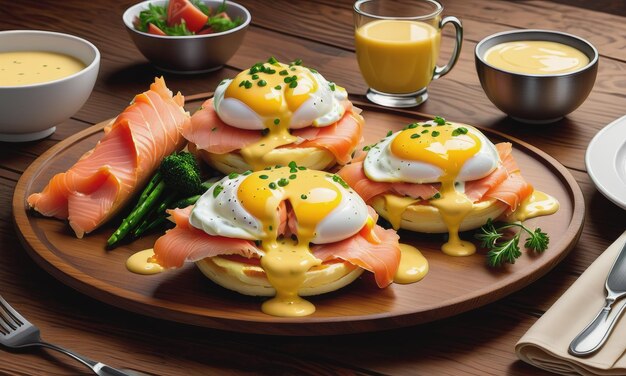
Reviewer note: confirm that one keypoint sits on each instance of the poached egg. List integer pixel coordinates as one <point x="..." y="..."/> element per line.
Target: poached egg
<point x="274" y="97"/>
<point x="434" y="152"/>
<point x="250" y="206"/>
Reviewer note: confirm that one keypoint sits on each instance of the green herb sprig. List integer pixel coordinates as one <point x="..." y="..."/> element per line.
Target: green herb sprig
<point x="507" y="251"/>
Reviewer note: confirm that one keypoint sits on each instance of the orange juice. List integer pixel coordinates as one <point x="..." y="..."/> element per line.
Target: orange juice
<point x="397" y="56"/>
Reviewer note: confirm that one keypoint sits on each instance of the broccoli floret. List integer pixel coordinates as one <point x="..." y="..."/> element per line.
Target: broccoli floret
<point x="178" y="178"/>
<point x="181" y="174"/>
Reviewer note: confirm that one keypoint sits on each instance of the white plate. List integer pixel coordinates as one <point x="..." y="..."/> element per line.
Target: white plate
<point x="606" y="161"/>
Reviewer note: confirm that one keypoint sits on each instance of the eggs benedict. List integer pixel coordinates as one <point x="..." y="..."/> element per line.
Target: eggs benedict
<point x="274" y="113"/>
<point x="438" y="177"/>
<point x="283" y="232"/>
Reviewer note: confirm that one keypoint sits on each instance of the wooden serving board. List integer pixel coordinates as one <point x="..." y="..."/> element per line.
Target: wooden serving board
<point x="453" y="285"/>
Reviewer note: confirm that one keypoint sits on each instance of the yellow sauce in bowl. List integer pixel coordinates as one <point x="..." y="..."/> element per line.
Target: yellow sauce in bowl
<point x="21" y="68"/>
<point x="536" y="57"/>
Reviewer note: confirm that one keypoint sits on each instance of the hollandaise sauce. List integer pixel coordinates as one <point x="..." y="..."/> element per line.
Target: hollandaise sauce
<point x="312" y="197"/>
<point x="396" y="206"/>
<point x="21" y="68"/>
<point x="274" y="91"/>
<point x="535" y="205"/>
<point x="413" y="265"/>
<point x="142" y="263"/>
<point x="448" y="148"/>
<point x="536" y="57"/>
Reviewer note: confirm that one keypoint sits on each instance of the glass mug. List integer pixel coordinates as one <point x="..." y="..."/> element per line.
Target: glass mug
<point x="397" y="46"/>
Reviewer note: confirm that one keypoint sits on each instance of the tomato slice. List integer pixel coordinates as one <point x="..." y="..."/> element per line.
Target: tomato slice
<point x="179" y="10"/>
<point x="152" y="29"/>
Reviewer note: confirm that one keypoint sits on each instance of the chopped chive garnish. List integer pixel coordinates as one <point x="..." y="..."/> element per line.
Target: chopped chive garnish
<point x="277" y="87"/>
<point x="301" y="168"/>
<point x="276" y="121"/>
<point x="282" y="182"/>
<point x="292" y="176"/>
<point x="272" y="185"/>
<point x="263" y="177"/>
<point x="262" y="83"/>
<point x="389" y="133"/>
<point x="439" y="120"/>
<point x="435" y="133"/>
<point x="247" y="172"/>
<point x="437" y="195"/>
<point x="233" y="175"/>
<point x="255" y="76"/>
<point x="415" y="135"/>
<point x="248" y="84"/>
<point x="338" y="179"/>
<point x="272" y="60"/>
<point x="332" y="86"/>
<point x="413" y="125"/>
<point x="283" y="72"/>
<point x="293" y="84"/>
<point x="217" y="190"/>
<point x="303" y="196"/>
<point x="425" y="131"/>
<point x="459" y="131"/>
<point x="297" y="62"/>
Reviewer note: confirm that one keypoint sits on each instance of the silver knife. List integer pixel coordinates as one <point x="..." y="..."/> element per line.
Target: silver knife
<point x="595" y="334"/>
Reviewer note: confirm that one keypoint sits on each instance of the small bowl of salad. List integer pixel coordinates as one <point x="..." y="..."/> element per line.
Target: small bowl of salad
<point x="187" y="36"/>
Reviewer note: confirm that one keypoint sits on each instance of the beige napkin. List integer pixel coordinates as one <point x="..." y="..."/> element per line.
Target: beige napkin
<point x="546" y="343"/>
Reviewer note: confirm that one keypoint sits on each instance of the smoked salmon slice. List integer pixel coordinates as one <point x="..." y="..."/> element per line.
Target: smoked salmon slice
<point x="505" y="183"/>
<point x="354" y="175"/>
<point x="208" y="132"/>
<point x="105" y="178"/>
<point x="511" y="191"/>
<point x="184" y="243"/>
<point x="381" y="258"/>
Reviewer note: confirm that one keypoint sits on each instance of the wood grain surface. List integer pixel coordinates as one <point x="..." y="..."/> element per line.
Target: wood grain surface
<point x="478" y="342"/>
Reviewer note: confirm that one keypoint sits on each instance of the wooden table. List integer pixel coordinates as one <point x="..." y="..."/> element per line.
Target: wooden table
<point x="477" y="343"/>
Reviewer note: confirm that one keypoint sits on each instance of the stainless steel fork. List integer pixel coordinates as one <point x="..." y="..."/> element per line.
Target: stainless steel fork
<point x="16" y="332"/>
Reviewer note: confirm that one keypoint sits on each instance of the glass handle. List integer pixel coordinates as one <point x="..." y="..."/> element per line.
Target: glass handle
<point x="441" y="71"/>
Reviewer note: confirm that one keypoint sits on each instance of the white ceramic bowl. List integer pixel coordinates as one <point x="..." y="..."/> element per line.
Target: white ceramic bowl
<point x="193" y="53"/>
<point x="31" y="112"/>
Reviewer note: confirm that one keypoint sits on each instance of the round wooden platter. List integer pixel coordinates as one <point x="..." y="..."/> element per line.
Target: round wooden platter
<point x="453" y="285"/>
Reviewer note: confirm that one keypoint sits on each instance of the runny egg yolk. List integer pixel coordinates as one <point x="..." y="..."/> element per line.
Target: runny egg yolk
<point x="312" y="196"/>
<point x="274" y="91"/>
<point x="443" y="146"/>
